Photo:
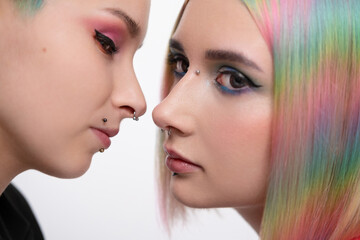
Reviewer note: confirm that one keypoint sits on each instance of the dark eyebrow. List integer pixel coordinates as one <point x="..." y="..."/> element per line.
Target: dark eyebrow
<point x="132" y="26"/>
<point x="176" y="45"/>
<point x="231" y="56"/>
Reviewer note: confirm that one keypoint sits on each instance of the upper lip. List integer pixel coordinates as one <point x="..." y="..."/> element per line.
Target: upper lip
<point x="109" y="132"/>
<point x="171" y="153"/>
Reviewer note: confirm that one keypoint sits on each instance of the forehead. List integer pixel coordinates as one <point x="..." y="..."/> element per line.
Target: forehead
<point x="217" y="23"/>
<point x="137" y="10"/>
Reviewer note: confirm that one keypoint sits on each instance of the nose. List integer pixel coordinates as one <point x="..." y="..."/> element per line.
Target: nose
<point x="176" y="110"/>
<point x="127" y="94"/>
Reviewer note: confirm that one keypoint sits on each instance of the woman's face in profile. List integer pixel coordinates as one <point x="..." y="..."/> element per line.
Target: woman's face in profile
<point x="220" y="118"/>
<point x="62" y="71"/>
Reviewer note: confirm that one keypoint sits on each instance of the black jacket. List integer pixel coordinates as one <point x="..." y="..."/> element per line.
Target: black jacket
<point x="17" y="221"/>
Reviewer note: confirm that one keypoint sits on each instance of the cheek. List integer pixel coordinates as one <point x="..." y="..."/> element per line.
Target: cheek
<point x="239" y="143"/>
<point x="241" y="129"/>
<point x="49" y="93"/>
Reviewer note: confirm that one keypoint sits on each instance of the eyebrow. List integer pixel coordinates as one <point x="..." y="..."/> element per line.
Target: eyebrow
<point x="176" y="45"/>
<point x="132" y="26"/>
<point x="220" y="55"/>
<point x="231" y="56"/>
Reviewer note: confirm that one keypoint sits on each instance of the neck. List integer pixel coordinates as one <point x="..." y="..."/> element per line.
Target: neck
<point x="10" y="166"/>
<point x="8" y="171"/>
<point x="252" y="215"/>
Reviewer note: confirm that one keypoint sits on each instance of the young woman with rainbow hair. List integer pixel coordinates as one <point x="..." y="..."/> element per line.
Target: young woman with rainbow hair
<point x="66" y="82"/>
<point x="312" y="180"/>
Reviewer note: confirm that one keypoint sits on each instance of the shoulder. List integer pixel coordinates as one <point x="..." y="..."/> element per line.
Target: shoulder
<point x="16" y="216"/>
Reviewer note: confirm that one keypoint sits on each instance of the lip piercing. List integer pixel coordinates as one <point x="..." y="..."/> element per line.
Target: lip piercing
<point x="174" y="174"/>
<point x="101" y="150"/>
<point x="104" y="120"/>
<point x="197" y="72"/>
<point x="135" y="118"/>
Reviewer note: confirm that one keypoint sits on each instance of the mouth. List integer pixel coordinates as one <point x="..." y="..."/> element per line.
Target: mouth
<point x="178" y="164"/>
<point x="104" y="135"/>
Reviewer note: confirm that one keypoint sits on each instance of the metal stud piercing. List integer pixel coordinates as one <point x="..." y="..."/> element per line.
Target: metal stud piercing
<point x="101" y="150"/>
<point x="169" y="132"/>
<point x="174" y="174"/>
<point x="135" y="118"/>
<point x="197" y="72"/>
<point x="104" y="120"/>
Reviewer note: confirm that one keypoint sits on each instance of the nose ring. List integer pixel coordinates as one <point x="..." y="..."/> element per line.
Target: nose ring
<point x="135" y="118"/>
<point x="168" y="131"/>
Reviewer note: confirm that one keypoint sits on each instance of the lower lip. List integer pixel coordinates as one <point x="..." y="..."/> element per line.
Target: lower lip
<point x="105" y="140"/>
<point x="178" y="166"/>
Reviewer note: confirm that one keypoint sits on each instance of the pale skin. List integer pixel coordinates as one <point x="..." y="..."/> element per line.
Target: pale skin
<point x="220" y="126"/>
<point x="59" y="79"/>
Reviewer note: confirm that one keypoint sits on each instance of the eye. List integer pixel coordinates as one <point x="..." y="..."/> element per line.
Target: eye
<point x="233" y="81"/>
<point x="107" y="45"/>
<point x="178" y="64"/>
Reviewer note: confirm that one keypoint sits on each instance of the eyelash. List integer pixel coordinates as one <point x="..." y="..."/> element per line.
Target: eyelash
<point x="176" y="61"/>
<point x="108" y="46"/>
<point x="235" y="77"/>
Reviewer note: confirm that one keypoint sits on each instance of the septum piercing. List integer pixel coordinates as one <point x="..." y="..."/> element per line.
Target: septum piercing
<point x="169" y="131"/>
<point x="135" y="118"/>
<point x="101" y="150"/>
<point x="104" y="120"/>
<point x="197" y="72"/>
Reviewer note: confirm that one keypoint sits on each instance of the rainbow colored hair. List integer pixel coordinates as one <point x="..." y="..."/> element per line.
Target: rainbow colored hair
<point x="314" y="185"/>
<point x="29" y="6"/>
<point x="314" y="189"/>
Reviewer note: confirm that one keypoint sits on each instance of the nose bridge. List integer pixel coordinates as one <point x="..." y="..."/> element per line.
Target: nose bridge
<point x="127" y="92"/>
<point x="177" y="107"/>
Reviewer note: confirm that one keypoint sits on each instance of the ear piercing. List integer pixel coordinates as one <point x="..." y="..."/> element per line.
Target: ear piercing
<point x="104" y="120"/>
<point x="197" y="72"/>
<point x="135" y="118"/>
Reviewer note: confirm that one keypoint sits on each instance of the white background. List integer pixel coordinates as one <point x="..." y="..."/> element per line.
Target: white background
<point x="116" y="198"/>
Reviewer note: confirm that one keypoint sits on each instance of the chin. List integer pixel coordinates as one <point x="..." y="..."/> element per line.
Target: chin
<point x="193" y="199"/>
<point x="72" y="168"/>
<point x="195" y="202"/>
<point x="196" y="198"/>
